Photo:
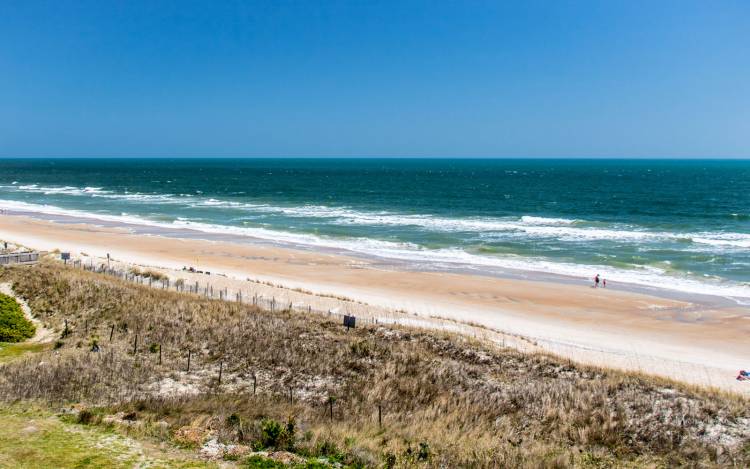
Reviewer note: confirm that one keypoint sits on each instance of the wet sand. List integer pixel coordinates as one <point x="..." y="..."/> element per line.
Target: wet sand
<point x="700" y="343"/>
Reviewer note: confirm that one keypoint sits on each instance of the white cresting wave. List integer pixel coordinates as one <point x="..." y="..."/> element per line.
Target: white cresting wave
<point x="486" y="228"/>
<point x="99" y="192"/>
<point x="416" y="255"/>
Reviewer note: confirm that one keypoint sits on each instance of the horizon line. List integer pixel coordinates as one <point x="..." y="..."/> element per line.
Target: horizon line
<point x="372" y="157"/>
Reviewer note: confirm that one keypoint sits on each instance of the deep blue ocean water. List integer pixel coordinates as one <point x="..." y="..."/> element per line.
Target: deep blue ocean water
<point x="683" y="225"/>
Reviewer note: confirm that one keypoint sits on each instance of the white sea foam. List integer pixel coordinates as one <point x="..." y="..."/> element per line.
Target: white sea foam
<point x="486" y="228"/>
<point x="97" y="192"/>
<point x="66" y="190"/>
<point x="546" y="221"/>
<point x="738" y="240"/>
<point x="648" y="276"/>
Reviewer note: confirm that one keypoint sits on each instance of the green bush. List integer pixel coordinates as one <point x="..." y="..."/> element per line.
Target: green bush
<point x="275" y="435"/>
<point x="14" y="327"/>
<point x="329" y="449"/>
<point x="424" y="452"/>
<point x="258" y="462"/>
<point x="85" y="417"/>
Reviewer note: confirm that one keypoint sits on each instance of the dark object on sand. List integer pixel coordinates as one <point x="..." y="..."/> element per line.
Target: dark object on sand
<point x="349" y="322"/>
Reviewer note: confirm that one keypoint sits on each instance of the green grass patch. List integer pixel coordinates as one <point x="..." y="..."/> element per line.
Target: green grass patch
<point x="31" y="438"/>
<point x="258" y="462"/>
<point x="14" y="327"/>
<point x="9" y="352"/>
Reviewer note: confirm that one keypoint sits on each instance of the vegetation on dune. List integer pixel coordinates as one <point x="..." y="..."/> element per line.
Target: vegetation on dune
<point x="285" y="388"/>
<point x="14" y="327"/>
<point x="148" y="273"/>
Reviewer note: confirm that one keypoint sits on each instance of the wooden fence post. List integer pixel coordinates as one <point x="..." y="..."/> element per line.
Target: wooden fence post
<point x="111" y="332"/>
<point x="188" y="367"/>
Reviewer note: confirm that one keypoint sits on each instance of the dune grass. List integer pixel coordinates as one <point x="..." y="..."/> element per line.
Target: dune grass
<point x="444" y="400"/>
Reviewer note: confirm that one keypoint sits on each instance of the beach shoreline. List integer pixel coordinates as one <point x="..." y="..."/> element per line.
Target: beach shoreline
<point x="142" y="227"/>
<point x="688" y="339"/>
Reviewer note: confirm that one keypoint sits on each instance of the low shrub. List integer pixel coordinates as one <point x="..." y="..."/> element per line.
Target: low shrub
<point x="14" y="327"/>
<point x="85" y="417"/>
<point x="154" y="274"/>
<point x="276" y="435"/>
<point x="258" y="462"/>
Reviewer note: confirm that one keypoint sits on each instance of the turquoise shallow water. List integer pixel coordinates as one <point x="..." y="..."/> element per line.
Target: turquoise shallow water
<point x="683" y="225"/>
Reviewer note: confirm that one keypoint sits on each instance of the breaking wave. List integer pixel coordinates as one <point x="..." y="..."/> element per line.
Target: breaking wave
<point x="485" y="228"/>
<point x="453" y="257"/>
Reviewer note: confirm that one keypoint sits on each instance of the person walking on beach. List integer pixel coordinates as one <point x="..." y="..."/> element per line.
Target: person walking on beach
<point x="596" y="281"/>
<point x="604" y="283"/>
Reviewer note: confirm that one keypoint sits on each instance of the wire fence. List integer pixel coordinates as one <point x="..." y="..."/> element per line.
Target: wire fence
<point x="246" y="296"/>
<point x="257" y="294"/>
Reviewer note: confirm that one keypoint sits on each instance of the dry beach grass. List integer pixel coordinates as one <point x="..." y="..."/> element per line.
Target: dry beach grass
<point x="445" y="400"/>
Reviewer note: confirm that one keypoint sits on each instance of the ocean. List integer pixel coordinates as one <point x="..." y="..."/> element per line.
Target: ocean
<point x="668" y="224"/>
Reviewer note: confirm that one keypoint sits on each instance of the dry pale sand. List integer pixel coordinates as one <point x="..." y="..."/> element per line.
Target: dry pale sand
<point x="689" y="342"/>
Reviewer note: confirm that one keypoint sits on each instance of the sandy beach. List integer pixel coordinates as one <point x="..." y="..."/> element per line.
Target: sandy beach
<point x="696" y="342"/>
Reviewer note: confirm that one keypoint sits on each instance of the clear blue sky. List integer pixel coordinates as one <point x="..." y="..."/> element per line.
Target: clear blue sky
<point x="365" y="78"/>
